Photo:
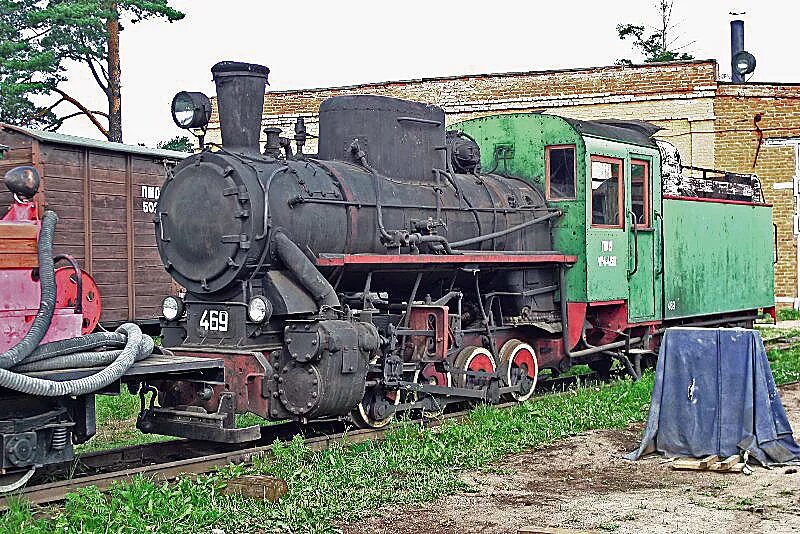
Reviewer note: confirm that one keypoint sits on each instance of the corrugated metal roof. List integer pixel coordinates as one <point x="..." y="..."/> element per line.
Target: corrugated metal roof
<point x="626" y="131"/>
<point x="64" y="139"/>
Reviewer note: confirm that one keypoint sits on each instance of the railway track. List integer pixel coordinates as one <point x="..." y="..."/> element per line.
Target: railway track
<point x="169" y="459"/>
<point x="782" y="342"/>
<point x="166" y="460"/>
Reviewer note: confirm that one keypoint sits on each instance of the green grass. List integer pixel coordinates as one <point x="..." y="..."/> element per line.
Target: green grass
<point x="788" y="314"/>
<point x="785" y="364"/>
<point x="345" y="482"/>
<point x="116" y="423"/>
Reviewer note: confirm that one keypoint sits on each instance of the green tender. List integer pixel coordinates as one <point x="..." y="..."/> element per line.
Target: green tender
<point x="717" y="258"/>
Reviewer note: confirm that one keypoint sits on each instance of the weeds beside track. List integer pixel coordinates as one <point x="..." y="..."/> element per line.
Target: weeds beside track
<point x="345" y="481"/>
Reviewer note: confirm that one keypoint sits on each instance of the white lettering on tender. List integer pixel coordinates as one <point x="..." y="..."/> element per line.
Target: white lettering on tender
<point x="607" y="261"/>
<point x="608" y="246"/>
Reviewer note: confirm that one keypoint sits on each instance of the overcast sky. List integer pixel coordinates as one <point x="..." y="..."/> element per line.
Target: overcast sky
<point x="328" y="43"/>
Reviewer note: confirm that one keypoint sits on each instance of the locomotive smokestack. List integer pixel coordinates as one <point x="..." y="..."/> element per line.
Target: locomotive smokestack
<point x="737" y="45"/>
<point x="240" y="101"/>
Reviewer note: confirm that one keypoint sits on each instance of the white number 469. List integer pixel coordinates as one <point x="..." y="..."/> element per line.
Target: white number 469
<point x="214" y="320"/>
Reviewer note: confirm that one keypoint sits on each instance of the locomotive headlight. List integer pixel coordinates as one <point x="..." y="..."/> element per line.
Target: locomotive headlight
<point x="191" y="110"/>
<point x="171" y="308"/>
<point x="259" y="309"/>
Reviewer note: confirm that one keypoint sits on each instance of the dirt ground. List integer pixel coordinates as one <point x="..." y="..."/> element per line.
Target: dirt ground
<point x="584" y="483"/>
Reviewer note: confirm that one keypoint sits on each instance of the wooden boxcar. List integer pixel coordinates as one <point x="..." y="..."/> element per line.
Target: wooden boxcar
<point x="105" y="195"/>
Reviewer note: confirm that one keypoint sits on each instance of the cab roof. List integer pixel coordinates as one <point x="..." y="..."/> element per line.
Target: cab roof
<point x="633" y="132"/>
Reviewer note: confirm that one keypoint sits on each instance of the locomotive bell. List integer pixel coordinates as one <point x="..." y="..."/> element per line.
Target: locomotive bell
<point x="23" y="182"/>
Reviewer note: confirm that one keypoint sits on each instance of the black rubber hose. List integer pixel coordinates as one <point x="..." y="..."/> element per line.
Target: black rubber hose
<point x="96" y="340"/>
<point x="82" y="360"/>
<point x="304" y="271"/>
<point x="47" y="282"/>
<point x="137" y="346"/>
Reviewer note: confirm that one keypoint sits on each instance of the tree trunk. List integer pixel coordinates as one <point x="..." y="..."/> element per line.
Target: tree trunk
<point x="114" y="78"/>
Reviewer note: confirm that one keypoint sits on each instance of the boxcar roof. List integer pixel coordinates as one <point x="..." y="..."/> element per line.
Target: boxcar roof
<point x="64" y="139"/>
<point x="632" y="132"/>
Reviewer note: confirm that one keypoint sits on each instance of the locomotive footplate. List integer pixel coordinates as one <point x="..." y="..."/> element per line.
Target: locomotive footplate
<point x="394" y="262"/>
<point x="156" y="366"/>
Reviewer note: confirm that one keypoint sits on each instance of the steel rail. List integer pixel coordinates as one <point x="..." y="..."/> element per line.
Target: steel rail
<point x="57" y="491"/>
<point x="198" y="457"/>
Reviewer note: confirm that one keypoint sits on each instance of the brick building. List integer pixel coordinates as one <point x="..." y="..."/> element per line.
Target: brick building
<point x="743" y="128"/>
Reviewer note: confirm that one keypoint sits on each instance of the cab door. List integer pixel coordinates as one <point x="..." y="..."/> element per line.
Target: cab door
<point x="641" y="227"/>
<point x="607" y="251"/>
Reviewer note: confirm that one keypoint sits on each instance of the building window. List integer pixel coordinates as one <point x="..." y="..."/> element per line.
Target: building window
<point x="640" y="192"/>
<point x="606" y="192"/>
<point x="560" y="171"/>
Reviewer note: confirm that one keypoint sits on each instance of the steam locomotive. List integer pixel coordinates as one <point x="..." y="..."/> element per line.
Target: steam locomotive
<point x="390" y="272"/>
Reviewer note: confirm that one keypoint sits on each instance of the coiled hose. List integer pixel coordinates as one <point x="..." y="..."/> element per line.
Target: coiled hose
<point x="128" y="344"/>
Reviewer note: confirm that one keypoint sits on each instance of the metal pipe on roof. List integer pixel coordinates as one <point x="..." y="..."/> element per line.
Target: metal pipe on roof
<point x="737" y="45"/>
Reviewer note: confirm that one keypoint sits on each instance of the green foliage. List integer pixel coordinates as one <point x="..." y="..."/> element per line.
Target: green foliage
<point x="655" y="44"/>
<point x="788" y="314"/>
<point x="37" y="37"/>
<point x="28" y="64"/>
<point x="344" y="482"/>
<point x="180" y="143"/>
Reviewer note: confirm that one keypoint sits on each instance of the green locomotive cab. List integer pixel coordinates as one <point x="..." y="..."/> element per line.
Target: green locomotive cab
<point x="701" y="252"/>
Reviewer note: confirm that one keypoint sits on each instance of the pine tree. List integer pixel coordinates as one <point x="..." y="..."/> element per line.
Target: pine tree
<point x="37" y="38"/>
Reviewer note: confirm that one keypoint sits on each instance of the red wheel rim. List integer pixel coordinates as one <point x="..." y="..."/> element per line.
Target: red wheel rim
<point x="523" y="359"/>
<point x="481" y="362"/>
<point x="67" y="296"/>
<point x="430" y="374"/>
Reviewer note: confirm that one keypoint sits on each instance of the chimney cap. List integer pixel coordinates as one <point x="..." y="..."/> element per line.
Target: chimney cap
<point x="238" y="67"/>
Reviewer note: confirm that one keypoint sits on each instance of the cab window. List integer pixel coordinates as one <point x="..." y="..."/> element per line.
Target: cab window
<point x="560" y="171"/>
<point x="606" y="177"/>
<point x="640" y="192"/>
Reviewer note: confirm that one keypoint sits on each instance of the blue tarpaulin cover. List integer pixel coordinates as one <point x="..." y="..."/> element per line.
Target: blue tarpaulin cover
<point x="714" y="394"/>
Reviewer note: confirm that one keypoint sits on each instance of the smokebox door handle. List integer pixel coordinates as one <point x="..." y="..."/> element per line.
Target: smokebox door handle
<point x="419" y="120"/>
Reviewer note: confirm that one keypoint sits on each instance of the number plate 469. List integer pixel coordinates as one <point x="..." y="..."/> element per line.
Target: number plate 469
<point x="216" y="320"/>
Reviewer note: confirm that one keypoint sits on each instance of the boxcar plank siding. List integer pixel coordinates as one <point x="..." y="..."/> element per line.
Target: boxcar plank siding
<point x="113" y="229"/>
<point x="62" y="157"/>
